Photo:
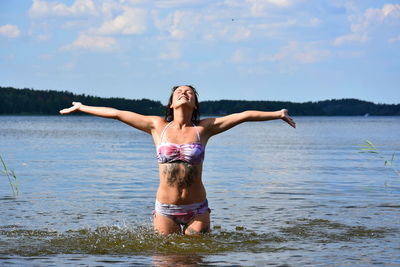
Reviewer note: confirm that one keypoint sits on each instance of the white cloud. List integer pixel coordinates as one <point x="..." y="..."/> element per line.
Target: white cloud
<point x="173" y="52"/>
<point x="94" y="43"/>
<point x="108" y="8"/>
<point x="42" y="8"/>
<point x="9" y="57"/>
<point x="131" y="1"/>
<point x="281" y="3"/>
<point x="41" y="30"/>
<point x="354" y="37"/>
<point x="67" y="66"/>
<point x="388" y="10"/>
<point x="394" y="39"/>
<point x="176" y="3"/>
<point x="230" y="22"/>
<point x="315" y="22"/>
<point x="373" y="18"/>
<point x="240" y="33"/>
<point x="179" y="24"/>
<point x="43" y="37"/>
<point x="189" y="20"/>
<point x="300" y="53"/>
<point x="9" y="31"/>
<point x="292" y="54"/>
<point x="177" y="28"/>
<point x="239" y="56"/>
<point x="132" y="21"/>
<point x="258" y="7"/>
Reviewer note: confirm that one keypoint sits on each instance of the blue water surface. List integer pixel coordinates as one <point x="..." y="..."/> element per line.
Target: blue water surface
<point x="304" y="196"/>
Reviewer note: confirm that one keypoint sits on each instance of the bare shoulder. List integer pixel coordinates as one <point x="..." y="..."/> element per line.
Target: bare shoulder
<point x="206" y="126"/>
<point x="221" y="124"/>
<point x="158" y="122"/>
<point x="207" y="122"/>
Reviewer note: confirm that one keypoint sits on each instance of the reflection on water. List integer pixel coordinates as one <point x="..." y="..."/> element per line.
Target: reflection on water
<point x="171" y="260"/>
<point x="279" y="196"/>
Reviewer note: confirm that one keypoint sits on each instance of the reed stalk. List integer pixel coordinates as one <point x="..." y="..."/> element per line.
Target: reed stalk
<point x="369" y="147"/>
<point x="12" y="178"/>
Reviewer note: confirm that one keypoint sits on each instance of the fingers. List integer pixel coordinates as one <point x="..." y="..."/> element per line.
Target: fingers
<point x="75" y="106"/>
<point x="66" y="110"/>
<point x="291" y="122"/>
<point x="287" y="118"/>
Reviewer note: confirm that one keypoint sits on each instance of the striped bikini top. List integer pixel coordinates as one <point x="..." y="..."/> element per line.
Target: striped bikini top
<point x="189" y="153"/>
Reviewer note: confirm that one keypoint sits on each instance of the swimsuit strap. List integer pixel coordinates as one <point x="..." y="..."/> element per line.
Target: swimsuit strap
<point x="163" y="132"/>
<point x="165" y="128"/>
<point x="198" y="133"/>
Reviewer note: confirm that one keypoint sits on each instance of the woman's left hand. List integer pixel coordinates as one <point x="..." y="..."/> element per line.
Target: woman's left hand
<point x="285" y="116"/>
<point x="75" y="107"/>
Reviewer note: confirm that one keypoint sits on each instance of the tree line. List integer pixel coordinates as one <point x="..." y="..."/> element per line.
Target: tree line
<point x="15" y="101"/>
<point x="49" y="102"/>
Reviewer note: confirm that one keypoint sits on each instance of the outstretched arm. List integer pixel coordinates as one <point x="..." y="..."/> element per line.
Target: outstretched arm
<point x="221" y="124"/>
<point x="141" y="122"/>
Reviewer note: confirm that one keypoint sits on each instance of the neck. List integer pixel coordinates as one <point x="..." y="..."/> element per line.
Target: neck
<point x="182" y="117"/>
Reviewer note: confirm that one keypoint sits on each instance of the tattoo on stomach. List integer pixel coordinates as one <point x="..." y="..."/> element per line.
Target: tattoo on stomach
<point x="180" y="174"/>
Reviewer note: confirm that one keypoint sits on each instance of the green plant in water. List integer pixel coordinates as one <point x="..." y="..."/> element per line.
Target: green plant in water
<point x="12" y="178"/>
<point x="369" y="147"/>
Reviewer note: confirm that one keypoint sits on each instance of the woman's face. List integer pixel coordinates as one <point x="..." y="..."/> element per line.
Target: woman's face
<point x="183" y="95"/>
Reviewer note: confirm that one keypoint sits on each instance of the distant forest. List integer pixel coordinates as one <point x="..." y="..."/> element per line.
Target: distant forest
<point x="37" y="102"/>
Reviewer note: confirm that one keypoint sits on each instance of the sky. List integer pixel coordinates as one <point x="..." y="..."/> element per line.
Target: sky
<point x="282" y="50"/>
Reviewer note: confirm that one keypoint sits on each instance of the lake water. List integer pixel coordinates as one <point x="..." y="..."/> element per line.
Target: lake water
<point x="279" y="196"/>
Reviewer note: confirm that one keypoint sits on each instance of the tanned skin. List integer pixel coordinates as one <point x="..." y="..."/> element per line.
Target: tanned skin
<point x="181" y="182"/>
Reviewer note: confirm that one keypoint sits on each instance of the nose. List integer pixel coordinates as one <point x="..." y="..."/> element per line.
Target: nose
<point x="184" y="93"/>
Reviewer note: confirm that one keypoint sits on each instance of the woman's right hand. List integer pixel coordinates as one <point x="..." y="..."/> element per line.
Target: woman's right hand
<point x="285" y="116"/>
<point x="75" y="107"/>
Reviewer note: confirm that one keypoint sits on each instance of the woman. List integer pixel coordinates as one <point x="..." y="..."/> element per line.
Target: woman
<point x="180" y="138"/>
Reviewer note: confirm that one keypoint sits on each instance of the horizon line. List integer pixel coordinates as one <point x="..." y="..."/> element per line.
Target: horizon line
<point x="309" y="101"/>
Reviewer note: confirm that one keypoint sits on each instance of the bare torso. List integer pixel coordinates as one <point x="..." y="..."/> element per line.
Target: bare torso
<point x="180" y="182"/>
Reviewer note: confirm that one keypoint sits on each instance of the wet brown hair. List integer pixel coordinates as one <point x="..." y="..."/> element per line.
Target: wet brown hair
<point x="169" y="112"/>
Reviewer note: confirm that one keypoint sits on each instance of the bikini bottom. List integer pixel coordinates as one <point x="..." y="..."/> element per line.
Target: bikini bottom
<point x="182" y="214"/>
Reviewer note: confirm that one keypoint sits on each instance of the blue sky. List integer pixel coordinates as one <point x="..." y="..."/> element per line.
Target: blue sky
<point x="289" y="50"/>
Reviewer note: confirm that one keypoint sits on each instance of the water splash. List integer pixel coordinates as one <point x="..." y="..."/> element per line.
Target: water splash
<point x="116" y="240"/>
